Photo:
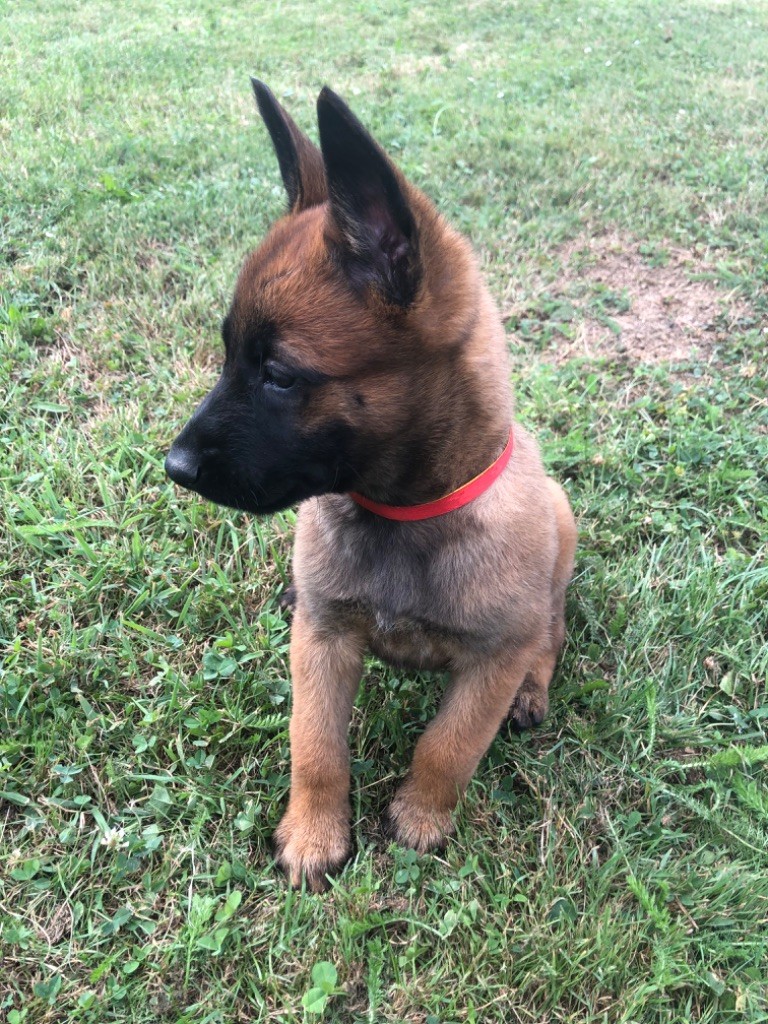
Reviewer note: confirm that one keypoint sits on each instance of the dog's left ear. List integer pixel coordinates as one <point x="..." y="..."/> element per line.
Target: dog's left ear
<point x="377" y="233"/>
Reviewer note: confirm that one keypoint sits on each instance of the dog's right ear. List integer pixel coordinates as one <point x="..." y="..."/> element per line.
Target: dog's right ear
<point x="301" y="162"/>
<point x="378" y="240"/>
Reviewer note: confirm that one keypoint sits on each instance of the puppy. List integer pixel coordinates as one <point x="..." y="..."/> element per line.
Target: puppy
<point x="366" y="369"/>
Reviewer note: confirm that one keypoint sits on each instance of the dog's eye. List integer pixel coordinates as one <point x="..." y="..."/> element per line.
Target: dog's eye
<point x="277" y="378"/>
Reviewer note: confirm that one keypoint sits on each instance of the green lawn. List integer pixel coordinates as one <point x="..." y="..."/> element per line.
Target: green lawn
<point x="610" y="867"/>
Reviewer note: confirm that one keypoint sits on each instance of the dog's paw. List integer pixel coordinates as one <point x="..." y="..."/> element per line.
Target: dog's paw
<point x="286" y="599"/>
<point x="312" y="846"/>
<point x="529" y="708"/>
<point x="412" y="823"/>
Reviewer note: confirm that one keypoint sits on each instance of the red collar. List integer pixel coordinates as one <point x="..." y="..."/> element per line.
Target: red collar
<point x="456" y="499"/>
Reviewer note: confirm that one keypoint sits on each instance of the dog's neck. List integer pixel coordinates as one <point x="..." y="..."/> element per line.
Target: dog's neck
<point x="462" y="438"/>
<point x="451" y="502"/>
<point x="420" y="474"/>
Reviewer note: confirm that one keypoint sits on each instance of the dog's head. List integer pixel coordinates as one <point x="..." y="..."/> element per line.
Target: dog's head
<point x="342" y="333"/>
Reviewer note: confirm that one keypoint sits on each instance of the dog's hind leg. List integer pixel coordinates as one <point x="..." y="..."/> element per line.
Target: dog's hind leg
<point x="313" y="838"/>
<point x="474" y="705"/>
<point x="531" y="702"/>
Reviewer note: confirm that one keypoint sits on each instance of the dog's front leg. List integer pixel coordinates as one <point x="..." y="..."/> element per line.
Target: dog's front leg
<point x="474" y="706"/>
<point x="313" y="838"/>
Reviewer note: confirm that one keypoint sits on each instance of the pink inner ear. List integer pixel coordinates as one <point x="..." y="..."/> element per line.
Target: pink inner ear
<point x="384" y="251"/>
<point x="384" y="230"/>
<point x="396" y="250"/>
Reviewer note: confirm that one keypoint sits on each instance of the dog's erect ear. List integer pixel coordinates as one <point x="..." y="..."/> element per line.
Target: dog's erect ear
<point x="377" y="231"/>
<point x="301" y="162"/>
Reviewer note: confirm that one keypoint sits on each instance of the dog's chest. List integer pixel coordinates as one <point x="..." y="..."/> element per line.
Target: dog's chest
<point x="407" y="594"/>
<point x="401" y="638"/>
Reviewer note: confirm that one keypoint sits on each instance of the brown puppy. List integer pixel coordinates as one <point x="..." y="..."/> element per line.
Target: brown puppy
<point x="364" y="354"/>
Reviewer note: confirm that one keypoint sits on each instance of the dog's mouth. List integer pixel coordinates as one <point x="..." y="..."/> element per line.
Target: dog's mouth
<point x="211" y="480"/>
<point x="257" y="458"/>
<point x="229" y="492"/>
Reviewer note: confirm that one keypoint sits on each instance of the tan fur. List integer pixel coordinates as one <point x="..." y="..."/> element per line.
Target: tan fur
<point x="314" y="834"/>
<point x="478" y="592"/>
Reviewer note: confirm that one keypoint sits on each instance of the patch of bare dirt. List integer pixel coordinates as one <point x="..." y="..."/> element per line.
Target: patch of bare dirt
<point x="647" y="306"/>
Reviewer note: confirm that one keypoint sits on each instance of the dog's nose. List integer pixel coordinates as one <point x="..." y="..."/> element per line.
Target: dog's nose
<point x="182" y="466"/>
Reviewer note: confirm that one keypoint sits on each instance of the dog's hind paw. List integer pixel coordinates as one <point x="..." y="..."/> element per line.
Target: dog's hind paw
<point x="286" y="599"/>
<point x="529" y="708"/>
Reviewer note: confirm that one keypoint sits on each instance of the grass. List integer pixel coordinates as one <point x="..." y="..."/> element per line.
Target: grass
<point x="611" y="866"/>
